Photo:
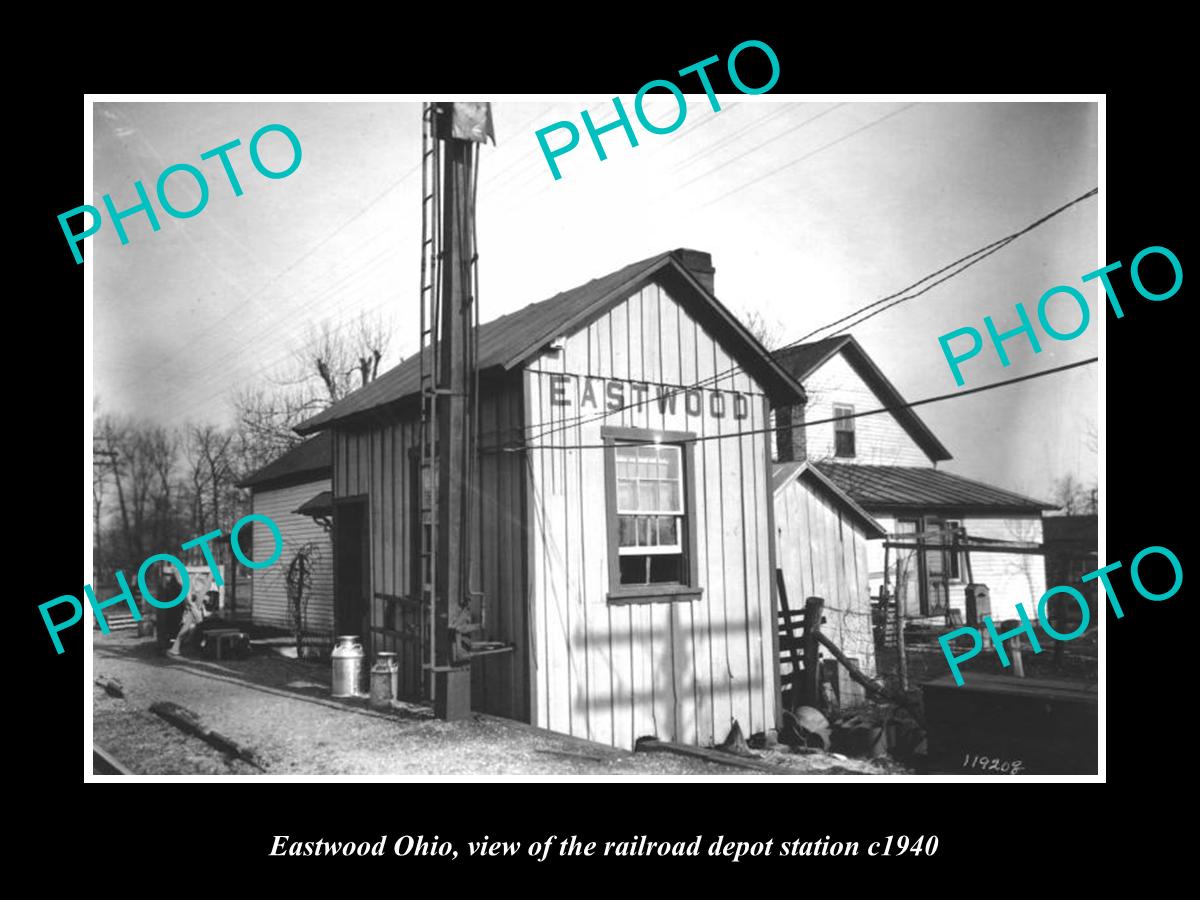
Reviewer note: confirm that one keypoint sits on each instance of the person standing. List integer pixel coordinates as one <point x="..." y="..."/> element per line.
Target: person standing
<point x="167" y="621"/>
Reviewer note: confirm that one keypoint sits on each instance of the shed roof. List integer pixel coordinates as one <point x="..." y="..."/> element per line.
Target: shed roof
<point x="305" y="462"/>
<point x="319" y="505"/>
<point x="801" y="360"/>
<point x="1080" y="530"/>
<point x="900" y="488"/>
<point x="508" y="341"/>
<point x="785" y="472"/>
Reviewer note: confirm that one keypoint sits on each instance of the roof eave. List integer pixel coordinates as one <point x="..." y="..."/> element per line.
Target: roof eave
<point x="909" y="420"/>
<point x="786" y="389"/>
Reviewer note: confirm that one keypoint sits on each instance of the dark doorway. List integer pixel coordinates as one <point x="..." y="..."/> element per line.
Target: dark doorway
<point x="351" y="568"/>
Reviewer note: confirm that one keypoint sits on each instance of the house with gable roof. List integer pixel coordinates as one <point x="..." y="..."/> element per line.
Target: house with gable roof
<point x="888" y="464"/>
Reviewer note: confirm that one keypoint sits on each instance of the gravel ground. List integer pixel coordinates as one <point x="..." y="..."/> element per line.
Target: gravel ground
<point x="281" y="709"/>
<point x="129" y="733"/>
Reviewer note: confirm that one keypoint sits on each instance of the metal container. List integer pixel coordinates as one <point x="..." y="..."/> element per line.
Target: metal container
<point x="999" y="725"/>
<point x="385" y="678"/>
<point x="347" y="660"/>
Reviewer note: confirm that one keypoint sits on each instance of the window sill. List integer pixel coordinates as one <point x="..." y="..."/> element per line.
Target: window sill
<point x="654" y="593"/>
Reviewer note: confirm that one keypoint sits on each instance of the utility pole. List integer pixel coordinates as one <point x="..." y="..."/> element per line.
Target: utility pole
<point x="460" y="126"/>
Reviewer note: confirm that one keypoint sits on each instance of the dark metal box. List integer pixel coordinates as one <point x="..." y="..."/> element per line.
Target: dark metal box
<point x="993" y="724"/>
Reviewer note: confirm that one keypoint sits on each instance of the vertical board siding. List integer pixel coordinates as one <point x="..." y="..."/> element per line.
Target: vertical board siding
<point x="375" y="462"/>
<point x="268" y="592"/>
<point x="681" y="671"/>
<point x="823" y="553"/>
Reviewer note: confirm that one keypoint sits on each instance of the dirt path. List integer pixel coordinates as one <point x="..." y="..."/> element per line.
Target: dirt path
<point x="282" y="710"/>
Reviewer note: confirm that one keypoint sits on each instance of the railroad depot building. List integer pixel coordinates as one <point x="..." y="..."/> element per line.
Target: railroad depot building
<point x="622" y="537"/>
<point x="887" y="464"/>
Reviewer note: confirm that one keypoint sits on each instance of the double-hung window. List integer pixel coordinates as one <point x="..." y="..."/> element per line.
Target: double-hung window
<point x="651" y="531"/>
<point x="843" y="431"/>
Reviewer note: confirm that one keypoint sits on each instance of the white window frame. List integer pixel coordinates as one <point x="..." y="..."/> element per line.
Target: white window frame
<point x="679" y="514"/>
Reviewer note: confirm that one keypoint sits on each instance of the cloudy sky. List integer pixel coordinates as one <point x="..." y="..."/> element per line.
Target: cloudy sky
<point x="810" y="210"/>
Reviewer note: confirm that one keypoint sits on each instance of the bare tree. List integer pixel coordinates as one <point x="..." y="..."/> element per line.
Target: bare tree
<point x="342" y="359"/>
<point x="327" y="365"/>
<point x="138" y="460"/>
<point x="1070" y="495"/>
<point x="212" y="472"/>
<point x="1027" y="531"/>
<point x="768" y="332"/>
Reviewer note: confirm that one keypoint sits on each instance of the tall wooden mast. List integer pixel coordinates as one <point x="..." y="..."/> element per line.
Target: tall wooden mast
<point x="449" y="386"/>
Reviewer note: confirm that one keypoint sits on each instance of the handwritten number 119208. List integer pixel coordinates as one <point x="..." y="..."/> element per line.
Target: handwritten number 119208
<point x="992" y="764"/>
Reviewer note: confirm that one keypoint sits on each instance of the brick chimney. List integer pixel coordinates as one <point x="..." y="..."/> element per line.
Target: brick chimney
<point x="699" y="264"/>
<point x="789" y="433"/>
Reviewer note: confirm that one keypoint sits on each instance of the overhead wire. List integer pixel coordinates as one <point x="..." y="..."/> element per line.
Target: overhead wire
<point x="812" y="153"/>
<point x="903" y="294"/>
<point x="523" y="447"/>
<point x="770" y="140"/>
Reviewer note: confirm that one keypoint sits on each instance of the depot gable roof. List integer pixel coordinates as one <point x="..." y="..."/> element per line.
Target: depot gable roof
<point x="507" y="342"/>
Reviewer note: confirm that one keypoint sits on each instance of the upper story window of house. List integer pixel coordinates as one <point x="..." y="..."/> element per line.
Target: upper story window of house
<point x="843" y="430"/>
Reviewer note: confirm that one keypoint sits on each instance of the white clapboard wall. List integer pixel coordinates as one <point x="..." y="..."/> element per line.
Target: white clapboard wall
<point x="269" y="585"/>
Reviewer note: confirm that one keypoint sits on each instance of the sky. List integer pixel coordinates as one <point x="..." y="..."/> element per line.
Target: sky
<point x="810" y="209"/>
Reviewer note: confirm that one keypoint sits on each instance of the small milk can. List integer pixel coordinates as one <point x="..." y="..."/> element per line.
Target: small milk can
<point x="385" y="677"/>
<point x="347" y="660"/>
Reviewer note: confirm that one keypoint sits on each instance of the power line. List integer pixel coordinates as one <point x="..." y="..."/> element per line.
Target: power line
<point x="812" y="153"/>
<point x="744" y="153"/>
<point x="985" y="250"/>
<point x="220" y="320"/>
<point x="721" y="142"/>
<point x="995" y="244"/>
<point x="870" y="412"/>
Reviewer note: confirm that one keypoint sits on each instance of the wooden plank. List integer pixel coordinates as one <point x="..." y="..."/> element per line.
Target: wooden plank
<point x="789" y="643"/>
<point x="577" y="638"/>
<point x="663" y="670"/>
<point x="593" y="531"/>
<point x="186" y="720"/>
<point x="679" y="616"/>
<point x="733" y="545"/>
<point x="700" y="612"/>
<point x="812" y="658"/>
<point x="535" y="489"/>
<point x="613" y="337"/>
<point x="714" y="756"/>
<point x="714" y="552"/>
<point x="559" y="675"/>
<point x="869" y="684"/>
<point x="761" y="622"/>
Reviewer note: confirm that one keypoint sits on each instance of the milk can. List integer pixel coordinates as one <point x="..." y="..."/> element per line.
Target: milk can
<point x="347" y="659"/>
<point x="385" y="678"/>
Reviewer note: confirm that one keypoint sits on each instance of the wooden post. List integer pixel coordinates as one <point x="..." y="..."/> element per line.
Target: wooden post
<point x="1014" y="652"/>
<point x="231" y="587"/>
<point x="797" y="689"/>
<point x="871" y="685"/>
<point x="901" y="651"/>
<point x="812" y="662"/>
